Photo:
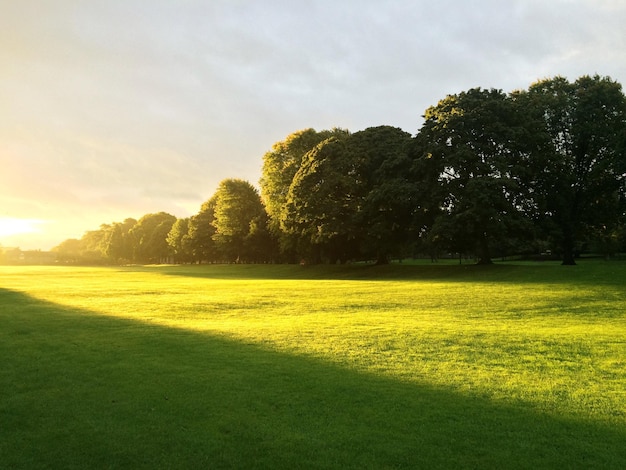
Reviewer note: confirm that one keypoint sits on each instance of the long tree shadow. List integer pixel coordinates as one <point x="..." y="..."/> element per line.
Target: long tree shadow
<point x="608" y="273"/>
<point x="79" y="389"/>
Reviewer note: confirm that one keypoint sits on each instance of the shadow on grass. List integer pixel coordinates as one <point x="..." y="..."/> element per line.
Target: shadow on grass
<point x="82" y="390"/>
<point x="591" y="272"/>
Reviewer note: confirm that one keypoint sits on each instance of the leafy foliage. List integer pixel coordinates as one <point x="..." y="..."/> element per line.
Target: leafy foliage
<point x="239" y="217"/>
<point x="579" y="166"/>
<point x="389" y="202"/>
<point x="489" y="173"/>
<point x="150" y="235"/>
<point x="179" y="241"/>
<point x="280" y="166"/>
<point x="468" y="141"/>
<point x="201" y="231"/>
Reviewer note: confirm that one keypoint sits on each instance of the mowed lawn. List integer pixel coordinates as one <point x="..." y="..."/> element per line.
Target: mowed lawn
<point x="402" y="366"/>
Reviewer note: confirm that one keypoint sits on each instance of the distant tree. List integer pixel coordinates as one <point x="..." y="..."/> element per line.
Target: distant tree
<point x="178" y="240"/>
<point x="580" y="158"/>
<point x="114" y="242"/>
<point x="111" y="243"/>
<point x="93" y="245"/>
<point x="468" y="143"/>
<point x="200" y="233"/>
<point x="13" y="255"/>
<point x="69" y="251"/>
<point x="118" y="246"/>
<point x="262" y="245"/>
<point x="237" y="207"/>
<point x="150" y="237"/>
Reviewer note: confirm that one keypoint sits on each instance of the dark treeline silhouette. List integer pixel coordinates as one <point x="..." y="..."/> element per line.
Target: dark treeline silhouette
<point x="488" y="174"/>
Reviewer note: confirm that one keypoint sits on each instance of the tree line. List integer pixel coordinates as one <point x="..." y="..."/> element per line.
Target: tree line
<point x="488" y="174"/>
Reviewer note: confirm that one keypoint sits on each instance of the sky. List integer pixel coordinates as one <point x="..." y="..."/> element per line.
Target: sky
<point x="112" y="109"/>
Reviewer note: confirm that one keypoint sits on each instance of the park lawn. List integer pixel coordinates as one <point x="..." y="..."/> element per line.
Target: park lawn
<point x="402" y="366"/>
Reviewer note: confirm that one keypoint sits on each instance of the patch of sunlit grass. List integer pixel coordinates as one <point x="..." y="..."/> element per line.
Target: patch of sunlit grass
<point x="541" y="337"/>
<point x="558" y="346"/>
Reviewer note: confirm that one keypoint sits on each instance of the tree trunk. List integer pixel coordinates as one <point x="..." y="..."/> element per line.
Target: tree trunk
<point x="382" y="259"/>
<point x="568" y="249"/>
<point x="484" y="256"/>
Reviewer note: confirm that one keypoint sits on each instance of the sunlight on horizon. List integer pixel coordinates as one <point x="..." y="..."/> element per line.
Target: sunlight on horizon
<point x="12" y="226"/>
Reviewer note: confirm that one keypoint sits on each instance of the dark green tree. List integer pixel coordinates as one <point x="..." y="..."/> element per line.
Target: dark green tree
<point x="470" y="159"/>
<point x="322" y="202"/>
<point x="353" y="197"/>
<point x="262" y="245"/>
<point x="579" y="161"/>
<point x="389" y="205"/>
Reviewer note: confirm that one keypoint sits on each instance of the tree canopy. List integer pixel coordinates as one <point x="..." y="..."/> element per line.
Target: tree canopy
<point x="487" y="174"/>
<point x="580" y="160"/>
<point x="468" y="142"/>
<point x="239" y="214"/>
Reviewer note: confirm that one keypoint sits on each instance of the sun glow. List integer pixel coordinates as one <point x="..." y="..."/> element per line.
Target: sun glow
<point x="11" y="226"/>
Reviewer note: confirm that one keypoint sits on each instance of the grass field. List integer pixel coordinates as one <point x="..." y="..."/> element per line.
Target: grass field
<point x="400" y="366"/>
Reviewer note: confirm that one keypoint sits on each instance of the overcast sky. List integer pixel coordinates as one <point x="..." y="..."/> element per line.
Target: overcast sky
<point x="116" y="108"/>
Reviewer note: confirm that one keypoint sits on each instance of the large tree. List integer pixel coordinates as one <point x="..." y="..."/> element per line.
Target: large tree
<point x="470" y="155"/>
<point x="280" y="166"/>
<point x="353" y="197"/>
<point x="579" y="159"/>
<point x="238" y="212"/>
<point x="388" y="205"/>
<point x="322" y="202"/>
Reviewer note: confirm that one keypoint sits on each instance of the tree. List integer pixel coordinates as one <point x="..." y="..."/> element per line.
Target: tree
<point x="388" y="198"/>
<point x="262" y="245"/>
<point x="280" y="165"/>
<point x="69" y="251"/>
<point x="118" y="246"/>
<point x="178" y="241"/>
<point x="468" y="147"/>
<point x="322" y="202"/>
<point x="111" y="243"/>
<point x="352" y="197"/>
<point x="238" y="208"/>
<point x="200" y="233"/>
<point x="150" y="237"/>
<point x="580" y="159"/>
<point x="93" y="245"/>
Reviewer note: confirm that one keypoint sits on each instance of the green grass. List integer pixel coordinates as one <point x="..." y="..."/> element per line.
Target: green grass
<point x="403" y="366"/>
